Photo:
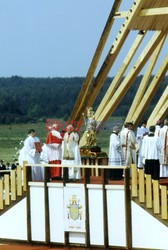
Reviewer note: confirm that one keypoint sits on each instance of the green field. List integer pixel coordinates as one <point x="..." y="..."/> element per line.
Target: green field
<point x="11" y="136"/>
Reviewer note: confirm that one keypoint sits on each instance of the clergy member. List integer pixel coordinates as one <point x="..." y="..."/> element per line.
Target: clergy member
<point x="116" y="157"/>
<point x="127" y="138"/>
<point x="164" y="150"/>
<point x="141" y="132"/>
<point x="54" y="151"/>
<point x="71" y="152"/>
<point x="151" y="148"/>
<point x="31" y="153"/>
<point x="157" y="128"/>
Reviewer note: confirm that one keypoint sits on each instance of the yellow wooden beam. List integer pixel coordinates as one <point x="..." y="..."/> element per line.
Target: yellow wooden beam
<point x="115" y="82"/>
<point x="121" y="14"/>
<point x="95" y="60"/>
<point x="154" y="11"/>
<point x="156" y="111"/>
<point x="163" y="112"/>
<point x="144" y="12"/>
<point x="128" y="81"/>
<point x="151" y="91"/>
<point x="142" y="87"/>
<point x="102" y="74"/>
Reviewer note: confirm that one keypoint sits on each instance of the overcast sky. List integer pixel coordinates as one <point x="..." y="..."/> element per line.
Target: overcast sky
<point x="52" y="38"/>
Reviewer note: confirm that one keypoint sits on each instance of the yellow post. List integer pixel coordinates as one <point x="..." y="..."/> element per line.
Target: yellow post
<point x="1" y="195"/>
<point x="156" y="200"/>
<point x="141" y="186"/>
<point x="134" y="180"/>
<point x="13" y="185"/>
<point x="24" y="176"/>
<point x="164" y="197"/>
<point x="148" y="191"/>
<point x="19" y="180"/>
<point x="6" y="181"/>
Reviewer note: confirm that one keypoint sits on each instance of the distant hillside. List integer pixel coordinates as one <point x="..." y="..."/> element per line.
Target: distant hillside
<point x="30" y="99"/>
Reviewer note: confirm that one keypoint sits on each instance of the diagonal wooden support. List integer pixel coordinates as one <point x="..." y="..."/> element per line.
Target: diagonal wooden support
<point x="151" y="91"/>
<point x="142" y="87"/>
<point x="162" y="114"/>
<point x="158" y="108"/>
<point x="95" y="60"/>
<point x="117" y="45"/>
<point x="115" y="82"/>
<point x="128" y="81"/>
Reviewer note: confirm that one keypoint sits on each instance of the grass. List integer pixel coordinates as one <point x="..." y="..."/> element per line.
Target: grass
<point x="11" y="135"/>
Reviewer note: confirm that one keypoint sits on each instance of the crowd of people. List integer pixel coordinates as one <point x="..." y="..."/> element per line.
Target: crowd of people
<point x="148" y="149"/>
<point x="7" y="166"/>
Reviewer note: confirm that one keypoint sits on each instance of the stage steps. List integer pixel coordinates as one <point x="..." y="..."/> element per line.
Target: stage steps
<point x="12" y="187"/>
<point x="151" y="195"/>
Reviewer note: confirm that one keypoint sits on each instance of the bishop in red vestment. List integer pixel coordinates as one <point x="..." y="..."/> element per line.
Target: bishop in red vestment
<point x="54" y="141"/>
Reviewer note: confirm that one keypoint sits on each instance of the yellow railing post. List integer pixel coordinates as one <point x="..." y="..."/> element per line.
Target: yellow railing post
<point x="24" y="175"/>
<point x="148" y="191"/>
<point x="6" y="182"/>
<point x="141" y="186"/>
<point x="156" y="199"/>
<point x="13" y="185"/>
<point x="19" y="180"/>
<point x="134" y="184"/>
<point x="164" y="197"/>
<point x="1" y="194"/>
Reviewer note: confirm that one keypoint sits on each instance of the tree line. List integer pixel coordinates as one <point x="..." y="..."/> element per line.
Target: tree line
<point x="25" y="100"/>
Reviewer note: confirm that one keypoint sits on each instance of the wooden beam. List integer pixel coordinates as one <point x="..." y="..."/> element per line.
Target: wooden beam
<point x="144" y="12"/>
<point x="115" y="82"/>
<point x="121" y="14"/>
<point x="142" y="87"/>
<point x="163" y="99"/>
<point x="154" y="11"/>
<point x="117" y="45"/>
<point x="163" y="112"/>
<point x="151" y="91"/>
<point x="128" y="81"/>
<point x="95" y="60"/>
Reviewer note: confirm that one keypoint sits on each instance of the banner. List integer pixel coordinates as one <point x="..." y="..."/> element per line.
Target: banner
<point x="74" y="209"/>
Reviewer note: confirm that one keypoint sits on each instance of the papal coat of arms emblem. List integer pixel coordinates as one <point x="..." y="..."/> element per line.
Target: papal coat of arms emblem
<point x="74" y="209"/>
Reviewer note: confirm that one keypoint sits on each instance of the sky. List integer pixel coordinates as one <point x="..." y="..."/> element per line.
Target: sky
<point x="55" y="38"/>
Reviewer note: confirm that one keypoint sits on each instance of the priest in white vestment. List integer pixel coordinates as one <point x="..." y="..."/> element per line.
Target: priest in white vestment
<point x="71" y="152"/>
<point x="128" y="140"/>
<point x="116" y="156"/>
<point x="151" y="148"/>
<point x="164" y="151"/>
<point x="157" y="128"/>
<point x="141" y="132"/>
<point x="31" y="154"/>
